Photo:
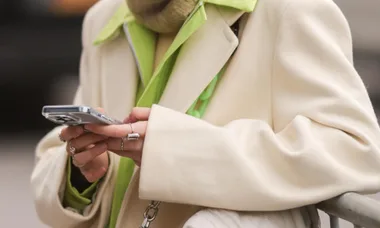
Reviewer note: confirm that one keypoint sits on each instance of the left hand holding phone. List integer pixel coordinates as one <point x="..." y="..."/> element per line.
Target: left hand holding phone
<point x="89" y="145"/>
<point x="88" y="151"/>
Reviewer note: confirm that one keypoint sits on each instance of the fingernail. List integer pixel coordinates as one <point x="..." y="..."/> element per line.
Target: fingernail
<point x="89" y="177"/>
<point x="74" y="161"/>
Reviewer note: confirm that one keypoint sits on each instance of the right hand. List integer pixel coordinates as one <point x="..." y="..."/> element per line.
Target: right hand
<point x="90" y="154"/>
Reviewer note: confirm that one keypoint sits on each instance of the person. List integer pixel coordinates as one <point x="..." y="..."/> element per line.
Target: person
<point x="236" y="114"/>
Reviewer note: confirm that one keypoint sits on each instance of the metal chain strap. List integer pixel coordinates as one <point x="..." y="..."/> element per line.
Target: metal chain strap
<point x="150" y="214"/>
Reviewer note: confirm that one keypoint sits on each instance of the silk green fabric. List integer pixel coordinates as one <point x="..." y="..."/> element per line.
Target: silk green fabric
<point x="152" y="83"/>
<point x="123" y="15"/>
<point x="72" y="197"/>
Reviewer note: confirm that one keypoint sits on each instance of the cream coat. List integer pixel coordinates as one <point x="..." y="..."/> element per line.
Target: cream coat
<point x="290" y="123"/>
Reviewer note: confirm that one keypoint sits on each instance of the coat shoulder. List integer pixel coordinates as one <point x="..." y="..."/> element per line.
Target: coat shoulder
<point x="277" y="14"/>
<point x="277" y="8"/>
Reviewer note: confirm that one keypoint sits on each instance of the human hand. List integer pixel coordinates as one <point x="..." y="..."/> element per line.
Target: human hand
<point x="88" y="151"/>
<point x="117" y="141"/>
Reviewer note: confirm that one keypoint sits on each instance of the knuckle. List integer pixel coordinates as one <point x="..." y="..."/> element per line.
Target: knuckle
<point x="92" y="173"/>
<point x="135" y="110"/>
<point x="77" y="163"/>
<point x="80" y="159"/>
<point x="136" y="145"/>
<point x="73" y="143"/>
<point x="133" y="146"/>
<point x="146" y="111"/>
<point x="70" y="130"/>
<point x="99" y="148"/>
<point x="86" y="157"/>
<point x="94" y="137"/>
<point x="63" y="131"/>
<point x="98" y="137"/>
<point x="141" y="127"/>
<point x="99" y="173"/>
<point x="88" y="175"/>
<point x="84" y="160"/>
<point x="89" y="138"/>
<point x="75" y="131"/>
<point x="79" y="130"/>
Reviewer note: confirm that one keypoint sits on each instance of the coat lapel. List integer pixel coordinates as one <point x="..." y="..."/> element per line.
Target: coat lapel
<point x="200" y="59"/>
<point x="142" y="42"/>
<point x="119" y="77"/>
<point x="154" y="89"/>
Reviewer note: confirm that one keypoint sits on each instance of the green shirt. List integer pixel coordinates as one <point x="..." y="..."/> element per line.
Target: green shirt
<point x="152" y="83"/>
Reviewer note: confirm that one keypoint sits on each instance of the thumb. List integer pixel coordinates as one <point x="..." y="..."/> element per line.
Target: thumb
<point x="138" y="114"/>
<point x="129" y="119"/>
<point x="99" y="109"/>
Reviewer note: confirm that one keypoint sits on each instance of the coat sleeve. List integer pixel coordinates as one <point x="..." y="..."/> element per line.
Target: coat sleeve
<point x="324" y="139"/>
<point x="49" y="176"/>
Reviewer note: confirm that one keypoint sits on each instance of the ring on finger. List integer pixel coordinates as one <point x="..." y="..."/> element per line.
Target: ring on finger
<point x="122" y="144"/>
<point x="133" y="135"/>
<point x="72" y="149"/>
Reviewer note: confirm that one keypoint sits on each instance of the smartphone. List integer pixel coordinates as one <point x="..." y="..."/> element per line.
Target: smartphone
<point x="76" y="115"/>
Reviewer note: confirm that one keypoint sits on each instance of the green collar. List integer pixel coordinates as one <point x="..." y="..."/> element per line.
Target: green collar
<point x="123" y="15"/>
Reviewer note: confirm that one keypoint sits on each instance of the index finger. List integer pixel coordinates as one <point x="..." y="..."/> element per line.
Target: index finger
<point x="71" y="132"/>
<point x="118" y="130"/>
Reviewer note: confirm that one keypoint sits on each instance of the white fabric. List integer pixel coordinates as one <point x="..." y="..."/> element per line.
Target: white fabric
<point x="212" y="218"/>
<point x="290" y="123"/>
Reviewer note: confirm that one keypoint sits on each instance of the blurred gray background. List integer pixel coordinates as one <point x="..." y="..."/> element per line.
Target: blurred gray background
<point x="39" y="53"/>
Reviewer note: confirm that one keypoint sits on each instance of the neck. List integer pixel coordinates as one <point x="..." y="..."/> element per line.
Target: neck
<point x="162" y="16"/>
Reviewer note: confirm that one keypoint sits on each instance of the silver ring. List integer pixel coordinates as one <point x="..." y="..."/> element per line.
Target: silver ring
<point x="122" y="144"/>
<point x="132" y="136"/>
<point x="72" y="149"/>
<point x="60" y="137"/>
